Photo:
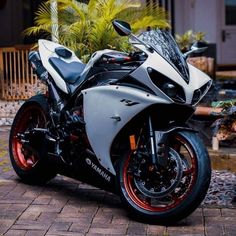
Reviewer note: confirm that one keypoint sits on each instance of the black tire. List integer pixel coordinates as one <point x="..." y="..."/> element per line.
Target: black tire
<point x="31" y="166"/>
<point x="197" y="180"/>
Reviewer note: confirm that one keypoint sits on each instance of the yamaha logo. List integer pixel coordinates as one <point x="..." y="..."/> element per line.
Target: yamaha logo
<point x="98" y="170"/>
<point x="88" y="161"/>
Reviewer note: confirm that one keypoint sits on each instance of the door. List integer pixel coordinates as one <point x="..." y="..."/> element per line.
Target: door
<point x="228" y="33"/>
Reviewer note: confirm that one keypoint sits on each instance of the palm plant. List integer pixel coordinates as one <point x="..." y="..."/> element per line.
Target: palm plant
<point x="86" y="28"/>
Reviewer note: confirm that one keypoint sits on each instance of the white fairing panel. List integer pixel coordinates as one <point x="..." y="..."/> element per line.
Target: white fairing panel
<point x="197" y="79"/>
<point x="47" y="50"/>
<point x="101" y="105"/>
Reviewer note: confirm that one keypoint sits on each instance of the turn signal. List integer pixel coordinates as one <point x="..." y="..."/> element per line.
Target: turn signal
<point x="132" y="142"/>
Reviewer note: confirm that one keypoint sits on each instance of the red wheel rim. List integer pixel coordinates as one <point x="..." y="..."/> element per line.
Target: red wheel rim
<point x="31" y="117"/>
<point x="153" y="205"/>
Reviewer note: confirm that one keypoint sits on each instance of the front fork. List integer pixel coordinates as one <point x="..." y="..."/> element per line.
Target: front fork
<point x="159" y="145"/>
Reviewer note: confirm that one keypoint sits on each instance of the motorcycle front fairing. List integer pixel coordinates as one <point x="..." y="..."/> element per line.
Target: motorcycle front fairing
<point x="168" y="60"/>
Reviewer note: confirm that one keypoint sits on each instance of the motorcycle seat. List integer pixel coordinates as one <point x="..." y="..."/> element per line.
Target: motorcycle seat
<point x="70" y="72"/>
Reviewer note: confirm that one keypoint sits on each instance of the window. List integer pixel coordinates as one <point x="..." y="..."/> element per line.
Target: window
<point x="230" y="12"/>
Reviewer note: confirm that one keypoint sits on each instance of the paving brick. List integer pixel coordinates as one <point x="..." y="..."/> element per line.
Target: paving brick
<point x="10" y="214"/>
<point x="181" y="230"/>
<point x="80" y="227"/>
<point x="31" y="194"/>
<point x="58" y="202"/>
<point x="186" y="234"/>
<point x="60" y="226"/>
<point x="102" y="218"/>
<point x="134" y="230"/>
<point x="197" y="213"/>
<point x="108" y="230"/>
<point x="79" y="220"/>
<point x="16" y="233"/>
<point x="220" y="220"/>
<point x="69" y="215"/>
<point x="230" y="230"/>
<point x="47" y="216"/>
<point x="99" y="221"/>
<point x="214" y="230"/>
<point x="69" y="209"/>
<point x="155" y="230"/>
<point x="92" y="209"/>
<point x="5" y="224"/>
<point x="102" y="234"/>
<point x="29" y="215"/>
<point x="44" y="208"/>
<point x="18" y="191"/>
<point x="211" y="212"/>
<point x="42" y="200"/>
<point x="63" y="233"/>
<point x="14" y="200"/>
<point x="116" y="220"/>
<point x="35" y="233"/>
<point x="30" y="225"/>
<point x="228" y="212"/>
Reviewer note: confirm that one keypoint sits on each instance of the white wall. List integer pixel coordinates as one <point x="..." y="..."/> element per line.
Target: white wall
<point x="200" y="15"/>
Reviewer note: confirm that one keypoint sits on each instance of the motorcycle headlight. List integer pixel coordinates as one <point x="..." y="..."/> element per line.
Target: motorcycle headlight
<point x="167" y="86"/>
<point x="169" y="89"/>
<point x="199" y="93"/>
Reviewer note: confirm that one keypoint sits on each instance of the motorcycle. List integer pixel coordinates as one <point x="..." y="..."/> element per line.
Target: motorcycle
<point x="118" y="123"/>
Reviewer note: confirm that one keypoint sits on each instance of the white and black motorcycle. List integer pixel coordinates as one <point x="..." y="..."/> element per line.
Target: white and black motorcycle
<point x="119" y="123"/>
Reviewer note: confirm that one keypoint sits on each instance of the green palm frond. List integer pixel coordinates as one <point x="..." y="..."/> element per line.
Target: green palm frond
<point x="150" y="21"/>
<point x="86" y="28"/>
<point x="72" y="5"/>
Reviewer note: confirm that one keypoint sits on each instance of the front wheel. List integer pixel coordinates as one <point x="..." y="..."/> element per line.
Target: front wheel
<point x="167" y="194"/>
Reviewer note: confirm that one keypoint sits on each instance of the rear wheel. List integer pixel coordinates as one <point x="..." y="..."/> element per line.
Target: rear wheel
<point x="27" y="152"/>
<point x="166" y="194"/>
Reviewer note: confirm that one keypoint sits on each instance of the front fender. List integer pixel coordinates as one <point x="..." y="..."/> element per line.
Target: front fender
<point x="178" y="128"/>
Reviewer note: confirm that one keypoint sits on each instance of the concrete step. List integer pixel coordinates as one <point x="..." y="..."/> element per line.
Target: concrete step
<point x="223" y="159"/>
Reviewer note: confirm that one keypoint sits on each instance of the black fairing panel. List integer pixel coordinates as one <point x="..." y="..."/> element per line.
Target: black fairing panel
<point x="165" y="114"/>
<point x="98" y="79"/>
<point x="87" y="169"/>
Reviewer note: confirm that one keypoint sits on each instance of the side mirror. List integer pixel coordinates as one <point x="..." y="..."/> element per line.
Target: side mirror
<point x="198" y="47"/>
<point x="121" y="27"/>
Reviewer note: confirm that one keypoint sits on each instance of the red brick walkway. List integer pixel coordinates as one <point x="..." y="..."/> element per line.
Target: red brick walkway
<point x="68" y="207"/>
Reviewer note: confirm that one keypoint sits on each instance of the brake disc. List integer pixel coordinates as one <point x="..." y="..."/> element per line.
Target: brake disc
<point x="166" y="179"/>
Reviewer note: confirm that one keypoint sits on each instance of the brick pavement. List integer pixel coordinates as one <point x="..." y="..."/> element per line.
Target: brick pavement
<point x="68" y="207"/>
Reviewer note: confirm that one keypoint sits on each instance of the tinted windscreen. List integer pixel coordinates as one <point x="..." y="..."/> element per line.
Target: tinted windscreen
<point x="165" y="45"/>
